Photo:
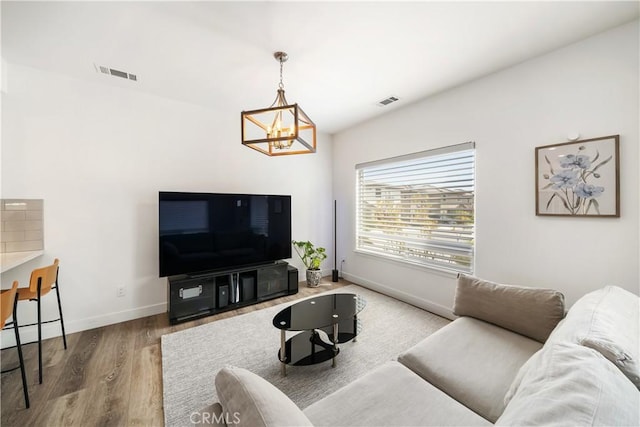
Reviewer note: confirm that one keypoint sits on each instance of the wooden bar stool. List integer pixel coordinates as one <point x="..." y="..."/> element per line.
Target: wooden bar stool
<point x="42" y="281"/>
<point x="9" y="305"/>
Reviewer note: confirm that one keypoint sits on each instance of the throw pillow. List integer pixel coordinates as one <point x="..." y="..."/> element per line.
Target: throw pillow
<point x="252" y="401"/>
<point x="568" y="384"/>
<point x="532" y="312"/>
<point x="531" y="363"/>
<point x="606" y="320"/>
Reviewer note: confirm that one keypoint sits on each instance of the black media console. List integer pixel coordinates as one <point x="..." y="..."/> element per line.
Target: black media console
<point x="190" y="297"/>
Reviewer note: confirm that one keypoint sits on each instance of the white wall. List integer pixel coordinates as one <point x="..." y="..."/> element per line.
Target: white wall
<point x="98" y="156"/>
<point x="590" y="87"/>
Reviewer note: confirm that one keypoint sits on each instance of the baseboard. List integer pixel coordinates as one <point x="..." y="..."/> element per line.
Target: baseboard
<point x="51" y="330"/>
<point x="431" y="306"/>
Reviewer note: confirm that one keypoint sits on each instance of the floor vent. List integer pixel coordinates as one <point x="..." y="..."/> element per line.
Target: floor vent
<point x="116" y="73"/>
<point x="388" y="101"/>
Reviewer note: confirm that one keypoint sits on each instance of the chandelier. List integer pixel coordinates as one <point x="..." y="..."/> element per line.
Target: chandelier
<point x="282" y="129"/>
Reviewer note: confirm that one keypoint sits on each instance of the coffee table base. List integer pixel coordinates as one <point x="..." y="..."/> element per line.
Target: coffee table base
<point x="306" y="348"/>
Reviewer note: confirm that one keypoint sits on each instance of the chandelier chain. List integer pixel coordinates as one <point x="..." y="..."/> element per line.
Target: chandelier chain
<point x="281" y="85"/>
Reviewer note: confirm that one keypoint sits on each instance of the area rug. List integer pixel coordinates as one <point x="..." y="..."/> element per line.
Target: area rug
<point x="191" y="358"/>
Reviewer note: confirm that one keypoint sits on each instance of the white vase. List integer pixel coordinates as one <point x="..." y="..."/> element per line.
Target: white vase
<point x="313" y="278"/>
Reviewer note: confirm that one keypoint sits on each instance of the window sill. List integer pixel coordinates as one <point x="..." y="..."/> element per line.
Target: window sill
<point x="405" y="263"/>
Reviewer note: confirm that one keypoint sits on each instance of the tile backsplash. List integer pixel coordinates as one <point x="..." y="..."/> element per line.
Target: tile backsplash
<point x="22" y="227"/>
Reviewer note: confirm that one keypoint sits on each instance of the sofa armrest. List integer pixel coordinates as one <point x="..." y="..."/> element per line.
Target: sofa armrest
<point x="251" y="401"/>
<point x="532" y="312"/>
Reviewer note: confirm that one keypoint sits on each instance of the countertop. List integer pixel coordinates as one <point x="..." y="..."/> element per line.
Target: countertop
<point x="13" y="259"/>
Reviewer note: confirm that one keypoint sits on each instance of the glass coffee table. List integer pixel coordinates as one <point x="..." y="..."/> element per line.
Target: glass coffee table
<point x="325" y="322"/>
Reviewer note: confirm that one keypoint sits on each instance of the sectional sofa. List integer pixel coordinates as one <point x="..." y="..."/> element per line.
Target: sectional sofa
<point x="511" y="357"/>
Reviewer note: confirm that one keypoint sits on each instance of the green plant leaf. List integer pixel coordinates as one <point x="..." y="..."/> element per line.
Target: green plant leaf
<point x="311" y="257"/>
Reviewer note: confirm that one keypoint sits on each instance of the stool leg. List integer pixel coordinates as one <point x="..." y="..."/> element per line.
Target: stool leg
<point x="39" y="336"/>
<point x="64" y="337"/>
<point x="19" y="347"/>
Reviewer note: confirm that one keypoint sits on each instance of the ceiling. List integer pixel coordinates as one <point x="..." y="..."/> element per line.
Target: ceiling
<point x="344" y="57"/>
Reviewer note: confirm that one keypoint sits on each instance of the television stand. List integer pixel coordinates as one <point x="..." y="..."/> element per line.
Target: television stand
<point x="205" y="294"/>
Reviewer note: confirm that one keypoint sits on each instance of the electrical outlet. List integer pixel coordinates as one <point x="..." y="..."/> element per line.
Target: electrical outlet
<point x="121" y="291"/>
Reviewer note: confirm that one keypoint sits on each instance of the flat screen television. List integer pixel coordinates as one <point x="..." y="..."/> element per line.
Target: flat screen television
<point x="201" y="232"/>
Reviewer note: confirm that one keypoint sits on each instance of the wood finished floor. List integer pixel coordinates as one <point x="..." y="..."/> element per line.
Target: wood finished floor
<point x="109" y="376"/>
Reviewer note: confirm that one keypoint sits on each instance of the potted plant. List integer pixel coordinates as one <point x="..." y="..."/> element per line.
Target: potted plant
<point x="311" y="258"/>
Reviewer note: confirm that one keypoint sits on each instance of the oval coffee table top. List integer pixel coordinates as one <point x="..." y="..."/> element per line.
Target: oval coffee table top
<point x="319" y="312"/>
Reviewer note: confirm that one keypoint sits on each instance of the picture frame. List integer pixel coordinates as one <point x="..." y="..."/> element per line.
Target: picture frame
<point x="579" y="178"/>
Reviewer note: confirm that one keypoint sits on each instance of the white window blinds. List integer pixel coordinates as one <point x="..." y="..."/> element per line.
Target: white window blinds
<point x="419" y="208"/>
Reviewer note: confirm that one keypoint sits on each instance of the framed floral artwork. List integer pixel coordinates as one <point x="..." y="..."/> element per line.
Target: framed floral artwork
<point x="579" y="178"/>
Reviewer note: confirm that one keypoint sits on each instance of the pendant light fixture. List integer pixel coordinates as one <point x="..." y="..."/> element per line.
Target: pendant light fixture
<point x="282" y="129"/>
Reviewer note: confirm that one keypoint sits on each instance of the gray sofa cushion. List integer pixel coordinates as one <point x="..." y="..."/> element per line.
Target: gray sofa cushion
<point x="532" y="312"/>
<point x="390" y="395"/>
<point x="570" y="385"/>
<point x="473" y="361"/>
<point x="606" y="320"/>
<point x="252" y="401"/>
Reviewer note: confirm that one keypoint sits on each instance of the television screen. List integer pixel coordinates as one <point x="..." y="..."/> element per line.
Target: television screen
<point x="200" y="232"/>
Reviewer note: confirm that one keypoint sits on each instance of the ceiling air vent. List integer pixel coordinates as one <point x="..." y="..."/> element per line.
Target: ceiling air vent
<point x="116" y="73"/>
<point x="387" y="101"/>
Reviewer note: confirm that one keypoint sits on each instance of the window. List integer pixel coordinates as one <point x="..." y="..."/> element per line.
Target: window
<point x="419" y="208"/>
